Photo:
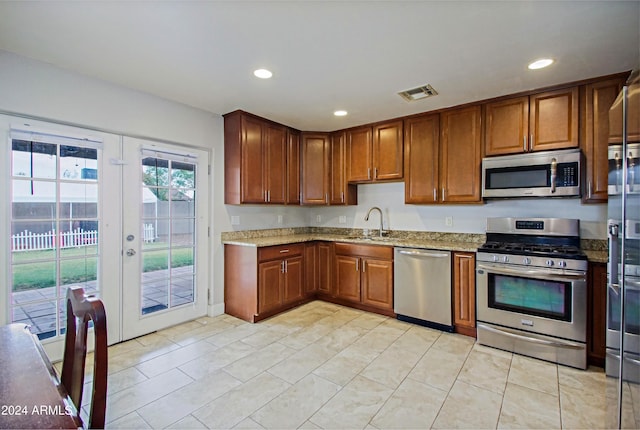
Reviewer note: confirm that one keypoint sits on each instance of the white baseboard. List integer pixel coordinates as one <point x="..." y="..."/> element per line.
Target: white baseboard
<point x="216" y="309"/>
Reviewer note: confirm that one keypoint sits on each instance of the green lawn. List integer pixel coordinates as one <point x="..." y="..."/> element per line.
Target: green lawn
<point x="80" y="265"/>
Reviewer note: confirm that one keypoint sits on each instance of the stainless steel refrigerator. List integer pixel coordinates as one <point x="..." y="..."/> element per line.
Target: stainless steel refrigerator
<point x="622" y="363"/>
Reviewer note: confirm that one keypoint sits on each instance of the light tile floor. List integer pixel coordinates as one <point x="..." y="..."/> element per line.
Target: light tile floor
<point x="327" y="366"/>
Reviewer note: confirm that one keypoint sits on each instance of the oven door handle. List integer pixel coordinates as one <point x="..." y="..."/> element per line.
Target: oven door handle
<point x="508" y="333"/>
<point x="540" y="274"/>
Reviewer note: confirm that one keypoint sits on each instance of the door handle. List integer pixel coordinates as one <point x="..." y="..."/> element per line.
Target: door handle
<point x="554" y="170"/>
<point x="131" y="252"/>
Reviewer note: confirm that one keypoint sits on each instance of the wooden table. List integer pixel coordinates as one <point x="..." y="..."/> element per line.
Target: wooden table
<point x="31" y="395"/>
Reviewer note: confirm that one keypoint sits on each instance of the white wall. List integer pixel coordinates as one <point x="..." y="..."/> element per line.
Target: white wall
<point x="466" y="218"/>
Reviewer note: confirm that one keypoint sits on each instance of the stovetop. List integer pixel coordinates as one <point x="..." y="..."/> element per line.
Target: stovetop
<point x="551" y="243"/>
<point x="534" y="249"/>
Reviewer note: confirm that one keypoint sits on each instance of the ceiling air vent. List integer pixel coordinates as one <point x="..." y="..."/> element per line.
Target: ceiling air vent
<point x="418" y="93"/>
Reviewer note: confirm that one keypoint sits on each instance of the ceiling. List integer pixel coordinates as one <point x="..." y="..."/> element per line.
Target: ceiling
<point x="325" y="55"/>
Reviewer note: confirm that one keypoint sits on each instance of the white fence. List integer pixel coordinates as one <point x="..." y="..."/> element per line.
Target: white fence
<point x="28" y="241"/>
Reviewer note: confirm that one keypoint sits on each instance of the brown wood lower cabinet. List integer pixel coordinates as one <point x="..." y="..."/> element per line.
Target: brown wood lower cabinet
<point x="596" y="314"/>
<point x="325" y="268"/>
<point x="260" y="282"/>
<point x="464" y="293"/>
<point x="364" y="277"/>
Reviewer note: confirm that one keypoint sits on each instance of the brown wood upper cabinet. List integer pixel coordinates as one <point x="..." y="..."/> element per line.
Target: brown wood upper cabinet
<point x="256" y="160"/>
<point x="422" y="159"/>
<point x="537" y="122"/>
<point x="315" y="170"/>
<point x="293" y="167"/>
<point x="443" y="157"/>
<point x="375" y="153"/>
<point x="598" y="99"/>
<point x="342" y="193"/>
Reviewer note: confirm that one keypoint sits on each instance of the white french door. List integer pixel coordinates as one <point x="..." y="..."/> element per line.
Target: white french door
<point x="165" y="234"/>
<point x="124" y="218"/>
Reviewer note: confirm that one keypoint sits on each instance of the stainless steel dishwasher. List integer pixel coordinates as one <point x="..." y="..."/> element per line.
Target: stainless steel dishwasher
<point x="422" y="287"/>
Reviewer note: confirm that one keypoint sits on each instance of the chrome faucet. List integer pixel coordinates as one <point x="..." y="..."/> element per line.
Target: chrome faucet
<point x="366" y="218"/>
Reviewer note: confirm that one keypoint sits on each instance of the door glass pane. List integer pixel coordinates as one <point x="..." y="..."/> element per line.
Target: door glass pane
<point x="167" y="228"/>
<point x="54" y="234"/>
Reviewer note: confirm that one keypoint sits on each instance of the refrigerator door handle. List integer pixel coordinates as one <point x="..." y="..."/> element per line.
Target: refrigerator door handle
<point x="613" y="231"/>
<point x="615" y="288"/>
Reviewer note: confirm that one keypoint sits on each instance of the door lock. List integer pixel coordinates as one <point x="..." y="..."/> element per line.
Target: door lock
<point x="131" y="252"/>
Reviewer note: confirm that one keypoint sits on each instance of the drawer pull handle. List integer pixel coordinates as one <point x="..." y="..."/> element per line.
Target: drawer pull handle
<point x="284" y="251"/>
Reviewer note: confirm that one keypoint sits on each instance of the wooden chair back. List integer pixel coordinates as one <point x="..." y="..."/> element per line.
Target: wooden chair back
<point x="80" y="310"/>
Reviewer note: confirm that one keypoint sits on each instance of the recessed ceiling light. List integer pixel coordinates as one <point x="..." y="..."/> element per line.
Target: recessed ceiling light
<point x="263" y="73"/>
<point x="540" y="64"/>
<point x="340" y="113"/>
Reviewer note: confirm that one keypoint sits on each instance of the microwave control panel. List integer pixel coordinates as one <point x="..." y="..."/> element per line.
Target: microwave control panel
<point x="567" y="175"/>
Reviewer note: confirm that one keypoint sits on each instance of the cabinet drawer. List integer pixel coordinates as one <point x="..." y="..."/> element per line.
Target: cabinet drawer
<point x="280" y="251"/>
<point x="374" y="251"/>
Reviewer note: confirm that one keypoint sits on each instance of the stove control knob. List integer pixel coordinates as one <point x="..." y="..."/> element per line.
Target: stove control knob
<point x="495" y="258"/>
<point x="562" y="264"/>
<point x="549" y="263"/>
<point x="526" y="260"/>
<point x="505" y="259"/>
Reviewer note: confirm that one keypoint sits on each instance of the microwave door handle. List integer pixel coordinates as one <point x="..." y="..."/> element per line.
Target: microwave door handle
<point x="554" y="170"/>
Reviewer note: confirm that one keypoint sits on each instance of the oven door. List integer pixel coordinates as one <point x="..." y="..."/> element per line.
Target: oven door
<point x="544" y="301"/>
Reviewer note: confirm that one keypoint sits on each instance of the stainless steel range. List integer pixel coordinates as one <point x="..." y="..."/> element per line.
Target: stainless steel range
<point x="532" y="290"/>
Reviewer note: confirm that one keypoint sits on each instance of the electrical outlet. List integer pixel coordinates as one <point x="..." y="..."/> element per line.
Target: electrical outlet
<point x="235" y="220"/>
<point x="318" y="219"/>
<point x="448" y="221"/>
<point x="279" y="219"/>
<point x="342" y="219"/>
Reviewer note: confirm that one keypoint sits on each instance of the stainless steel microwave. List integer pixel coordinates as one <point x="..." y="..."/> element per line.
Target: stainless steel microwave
<point x="538" y="174"/>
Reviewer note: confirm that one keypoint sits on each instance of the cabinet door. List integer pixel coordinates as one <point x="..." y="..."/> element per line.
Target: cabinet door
<point x="464" y="291"/>
<point x="421" y="146"/>
<point x="597" y="314"/>
<point x="341" y="192"/>
<point x="347" y="277"/>
<point x="325" y="267"/>
<point x="388" y="151"/>
<point x="460" y="155"/>
<point x="553" y="120"/>
<point x="377" y="283"/>
<point x="311" y="268"/>
<point x="598" y="98"/>
<point x="252" y="170"/>
<point x="276" y="168"/>
<point x="507" y="126"/>
<point x="315" y="169"/>
<point x="293" y="168"/>
<point x="359" y="155"/>
<point x="292" y="286"/>
<point x="269" y="285"/>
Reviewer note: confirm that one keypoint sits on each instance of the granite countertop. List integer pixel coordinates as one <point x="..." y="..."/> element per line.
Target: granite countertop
<point x="596" y="250"/>
<point x="439" y="241"/>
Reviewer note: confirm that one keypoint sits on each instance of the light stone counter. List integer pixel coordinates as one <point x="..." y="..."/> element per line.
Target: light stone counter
<point x="440" y="241"/>
<point x="596" y="250"/>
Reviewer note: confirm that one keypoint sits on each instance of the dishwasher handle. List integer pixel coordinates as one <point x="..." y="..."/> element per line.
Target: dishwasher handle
<point x="424" y="254"/>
